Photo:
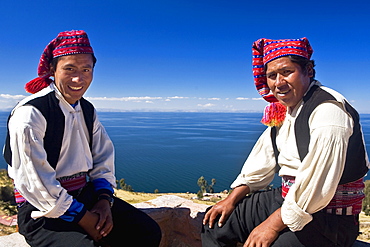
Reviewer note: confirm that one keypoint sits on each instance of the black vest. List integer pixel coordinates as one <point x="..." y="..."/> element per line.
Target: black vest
<point x="355" y="164"/>
<point x="48" y="105"/>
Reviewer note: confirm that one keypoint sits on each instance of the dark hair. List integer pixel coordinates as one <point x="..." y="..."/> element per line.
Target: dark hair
<point x="303" y="63"/>
<point x="55" y="61"/>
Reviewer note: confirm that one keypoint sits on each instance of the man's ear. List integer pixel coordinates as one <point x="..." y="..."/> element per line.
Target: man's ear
<point x="52" y="71"/>
<point x="309" y="70"/>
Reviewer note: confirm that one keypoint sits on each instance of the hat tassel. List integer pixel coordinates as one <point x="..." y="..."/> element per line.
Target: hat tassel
<point x="274" y="114"/>
<point x="38" y="84"/>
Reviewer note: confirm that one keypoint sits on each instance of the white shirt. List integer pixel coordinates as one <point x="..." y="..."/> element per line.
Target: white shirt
<point x="33" y="177"/>
<point x="318" y="175"/>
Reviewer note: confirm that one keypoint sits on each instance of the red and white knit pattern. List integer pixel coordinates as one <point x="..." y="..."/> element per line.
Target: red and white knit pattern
<point x="346" y="201"/>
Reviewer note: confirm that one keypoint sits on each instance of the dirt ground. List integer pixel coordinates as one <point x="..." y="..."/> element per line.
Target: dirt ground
<point x="364" y="228"/>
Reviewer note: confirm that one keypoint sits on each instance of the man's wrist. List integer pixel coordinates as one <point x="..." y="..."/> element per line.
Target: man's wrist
<point x="106" y="197"/>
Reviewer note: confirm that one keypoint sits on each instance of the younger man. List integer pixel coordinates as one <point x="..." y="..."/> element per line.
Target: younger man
<point x="62" y="160"/>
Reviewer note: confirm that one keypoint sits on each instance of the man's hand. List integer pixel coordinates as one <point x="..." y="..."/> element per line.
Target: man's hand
<point x="262" y="236"/>
<point x="88" y="223"/>
<point x="105" y="223"/>
<point x="267" y="232"/>
<point x="98" y="222"/>
<point x="225" y="207"/>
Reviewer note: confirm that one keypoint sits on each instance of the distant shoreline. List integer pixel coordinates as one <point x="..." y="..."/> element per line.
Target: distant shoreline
<point x="173" y="111"/>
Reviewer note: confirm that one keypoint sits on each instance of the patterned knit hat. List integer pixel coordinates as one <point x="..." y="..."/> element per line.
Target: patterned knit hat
<point x="264" y="51"/>
<point x="66" y="43"/>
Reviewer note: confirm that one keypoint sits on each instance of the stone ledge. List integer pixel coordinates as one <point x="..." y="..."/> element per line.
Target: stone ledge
<point x="180" y="220"/>
<point x="13" y="240"/>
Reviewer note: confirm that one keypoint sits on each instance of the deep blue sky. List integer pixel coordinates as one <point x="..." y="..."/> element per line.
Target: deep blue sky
<point x="186" y="55"/>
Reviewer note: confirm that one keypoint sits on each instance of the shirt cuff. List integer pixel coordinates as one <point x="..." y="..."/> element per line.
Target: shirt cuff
<point x="102" y="186"/>
<point x="294" y="217"/>
<point x="75" y="212"/>
<point x="241" y="180"/>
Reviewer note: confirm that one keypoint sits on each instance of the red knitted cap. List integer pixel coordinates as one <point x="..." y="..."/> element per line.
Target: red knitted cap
<point x="264" y="51"/>
<point x="66" y="43"/>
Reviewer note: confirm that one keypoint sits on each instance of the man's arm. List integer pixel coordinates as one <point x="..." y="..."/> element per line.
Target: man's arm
<point x="225" y="207"/>
<point x="319" y="173"/>
<point x="33" y="177"/>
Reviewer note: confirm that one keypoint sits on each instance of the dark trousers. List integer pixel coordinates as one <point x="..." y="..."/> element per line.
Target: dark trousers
<point x="131" y="227"/>
<point x="324" y="230"/>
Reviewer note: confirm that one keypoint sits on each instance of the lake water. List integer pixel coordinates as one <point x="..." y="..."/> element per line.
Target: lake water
<point x="170" y="151"/>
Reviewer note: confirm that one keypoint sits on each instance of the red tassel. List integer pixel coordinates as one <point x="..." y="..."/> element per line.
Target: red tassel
<point x="37" y="84"/>
<point x="274" y="114"/>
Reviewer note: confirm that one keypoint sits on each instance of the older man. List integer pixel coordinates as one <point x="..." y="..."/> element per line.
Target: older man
<point x="315" y="143"/>
<point x="62" y="160"/>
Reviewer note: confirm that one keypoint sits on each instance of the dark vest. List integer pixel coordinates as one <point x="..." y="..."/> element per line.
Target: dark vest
<point x="355" y="164"/>
<point x="48" y="105"/>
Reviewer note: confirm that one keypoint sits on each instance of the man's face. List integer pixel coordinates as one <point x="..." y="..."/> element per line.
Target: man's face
<point x="287" y="81"/>
<point x="73" y="75"/>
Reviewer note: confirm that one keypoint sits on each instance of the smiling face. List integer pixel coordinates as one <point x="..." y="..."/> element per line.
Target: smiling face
<point x="287" y="81"/>
<point x="73" y="75"/>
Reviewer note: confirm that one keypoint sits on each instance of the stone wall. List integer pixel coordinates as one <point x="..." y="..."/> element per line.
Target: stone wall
<point x="180" y="220"/>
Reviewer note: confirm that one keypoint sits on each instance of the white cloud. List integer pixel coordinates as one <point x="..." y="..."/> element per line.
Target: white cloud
<point x="137" y="99"/>
<point x="241" y="98"/>
<point x="177" y="97"/>
<point x="206" y="105"/>
<point x="8" y="101"/>
<point x="164" y="103"/>
<point x="15" y="97"/>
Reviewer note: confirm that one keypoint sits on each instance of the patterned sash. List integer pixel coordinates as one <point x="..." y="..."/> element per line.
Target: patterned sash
<point x="70" y="183"/>
<point x="346" y="201"/>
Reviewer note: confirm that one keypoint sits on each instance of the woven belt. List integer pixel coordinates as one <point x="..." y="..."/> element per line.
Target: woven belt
<point x="73" y="182"/>
<point x="70" y="183"/>
<point x="347" y="199"/>
<point x="339" y="211"/>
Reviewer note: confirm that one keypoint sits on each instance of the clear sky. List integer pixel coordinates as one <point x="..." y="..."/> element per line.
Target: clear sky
<point x="187" y="55"/>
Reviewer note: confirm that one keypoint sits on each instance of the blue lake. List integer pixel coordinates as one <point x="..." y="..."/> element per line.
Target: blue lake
<point x="170" y="151"/>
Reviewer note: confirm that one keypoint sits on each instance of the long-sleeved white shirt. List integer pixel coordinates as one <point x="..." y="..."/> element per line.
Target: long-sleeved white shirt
<point x="317" y="176"/>
<point x="33" y="177"/>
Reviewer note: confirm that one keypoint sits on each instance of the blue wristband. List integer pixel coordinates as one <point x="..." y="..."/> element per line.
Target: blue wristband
<point x="75" y="212"/>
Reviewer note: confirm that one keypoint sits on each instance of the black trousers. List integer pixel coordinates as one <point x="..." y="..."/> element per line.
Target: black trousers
<point x="324" y="230"/>
<point x="131" y="226"/>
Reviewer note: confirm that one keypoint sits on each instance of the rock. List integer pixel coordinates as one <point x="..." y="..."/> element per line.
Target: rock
<point x="13" y="240"/>
<point x="180" y="219"/>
